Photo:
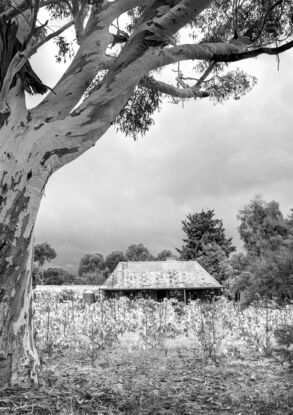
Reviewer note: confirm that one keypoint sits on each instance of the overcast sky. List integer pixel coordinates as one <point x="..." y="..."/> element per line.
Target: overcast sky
<point x="196" y="157"/>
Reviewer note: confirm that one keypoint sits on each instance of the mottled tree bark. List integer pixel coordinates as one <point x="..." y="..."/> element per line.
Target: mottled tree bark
<point x="22" y="180"/>
<point x="18" y="356"/>
<point x="19" y="202"/>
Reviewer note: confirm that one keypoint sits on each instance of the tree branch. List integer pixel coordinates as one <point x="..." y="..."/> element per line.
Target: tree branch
<point x="89" y="59"/>
<point x="26" y="4"/>
<point x="15" y="11"/>
<point x="34" y="21"/>
<point x="19" y="60"/>
<point x="165" y="20"/>
<point x="217" y="52"/>
<point x="234" y="57"/>
<point x="165" y="88"/>
<point x="14" y="66"/>
<point x="95" y="114"/>
<point x="119" y="7"/>
<point x="205" y="74"/>
<point x="262" y="25"/>
<point x="79" y="15"/>
<point x="123" y="79"/>
<point x="62" y="29"/>
<point x="96" y="39"/>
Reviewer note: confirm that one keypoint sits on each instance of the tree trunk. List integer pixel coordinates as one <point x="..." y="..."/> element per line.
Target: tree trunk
<point x="22" y="180"/>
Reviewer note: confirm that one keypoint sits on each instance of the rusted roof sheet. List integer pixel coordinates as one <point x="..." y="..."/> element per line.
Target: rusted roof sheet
<point x="159" y="275"/>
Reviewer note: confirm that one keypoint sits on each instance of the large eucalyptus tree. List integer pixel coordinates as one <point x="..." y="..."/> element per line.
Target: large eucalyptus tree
<point x="112" y="78"/>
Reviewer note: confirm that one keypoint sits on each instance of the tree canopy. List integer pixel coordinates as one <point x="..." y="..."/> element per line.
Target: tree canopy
<point x="165" y="255"/>
<point x="262" y="226"/>
<point x="202" y="230"/>
<point x="265" y="269"/>
<point x="206" y="242"/>
<point x="43" y="252"/>
<point x="58" y="276"/>
<point x="90" y="263"/>
<point x="113" y="259"/>
<point x="221" y="33"/>
<point x="94" y="269"/>
<point x="138" y="252"/>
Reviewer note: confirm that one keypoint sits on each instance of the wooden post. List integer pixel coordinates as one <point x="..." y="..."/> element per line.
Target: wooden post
<point x="184" y="295"/>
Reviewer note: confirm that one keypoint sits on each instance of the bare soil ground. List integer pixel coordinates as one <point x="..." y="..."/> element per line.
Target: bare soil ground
<point x="154" y="382"/>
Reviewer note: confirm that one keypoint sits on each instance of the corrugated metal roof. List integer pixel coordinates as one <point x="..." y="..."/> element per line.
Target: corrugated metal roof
<point x="159" y="275"/>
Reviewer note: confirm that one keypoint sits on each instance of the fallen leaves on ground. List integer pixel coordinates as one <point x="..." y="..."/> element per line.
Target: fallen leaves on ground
<point x="154" y="382"/>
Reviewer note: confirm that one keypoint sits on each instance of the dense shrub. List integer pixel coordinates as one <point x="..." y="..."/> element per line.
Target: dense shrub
<point x="284" y="338"/>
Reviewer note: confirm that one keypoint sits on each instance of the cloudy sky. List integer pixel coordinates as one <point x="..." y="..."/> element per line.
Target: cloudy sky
<point x="195" y="157"/>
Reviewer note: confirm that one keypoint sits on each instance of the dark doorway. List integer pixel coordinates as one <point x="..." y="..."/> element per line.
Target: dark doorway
<point x="161" y="294"/>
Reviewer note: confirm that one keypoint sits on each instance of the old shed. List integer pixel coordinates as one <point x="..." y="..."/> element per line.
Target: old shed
<point x="185" y="280"/>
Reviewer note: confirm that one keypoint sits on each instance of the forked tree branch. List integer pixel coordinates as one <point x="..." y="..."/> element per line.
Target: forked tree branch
<point x="96" y="39"/>
<point x="96" y="113"/>
<point x="234" y="57"/>
<point x="14" y="66"/>
<point x="184" y="92"/>
<point x="87" y="62"/>
<point x="79" y="15"/>
<point x="118" y="7"/>
<point x="165" y="88"/>
<point x="15" y="10"/>
<point x="34" y="21"/>
<point x="124" y="80"/>
<point x="205" y="74"/>
<point x="20" y="58"/>
<point x="264" y="21"/>
<point x="80" y="128"/>
<point x="90" y="57"/>
<point x="217" y="52"/>
<point x="52" y="35"/>
<point x="25" y="5"/>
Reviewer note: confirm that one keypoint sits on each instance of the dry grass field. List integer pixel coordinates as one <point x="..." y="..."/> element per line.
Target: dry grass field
<point x="142" y="357"/>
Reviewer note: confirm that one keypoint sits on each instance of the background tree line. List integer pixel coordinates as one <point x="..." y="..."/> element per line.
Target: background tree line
<point x="93" y="268"/>
<point x="264" y="268"/>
